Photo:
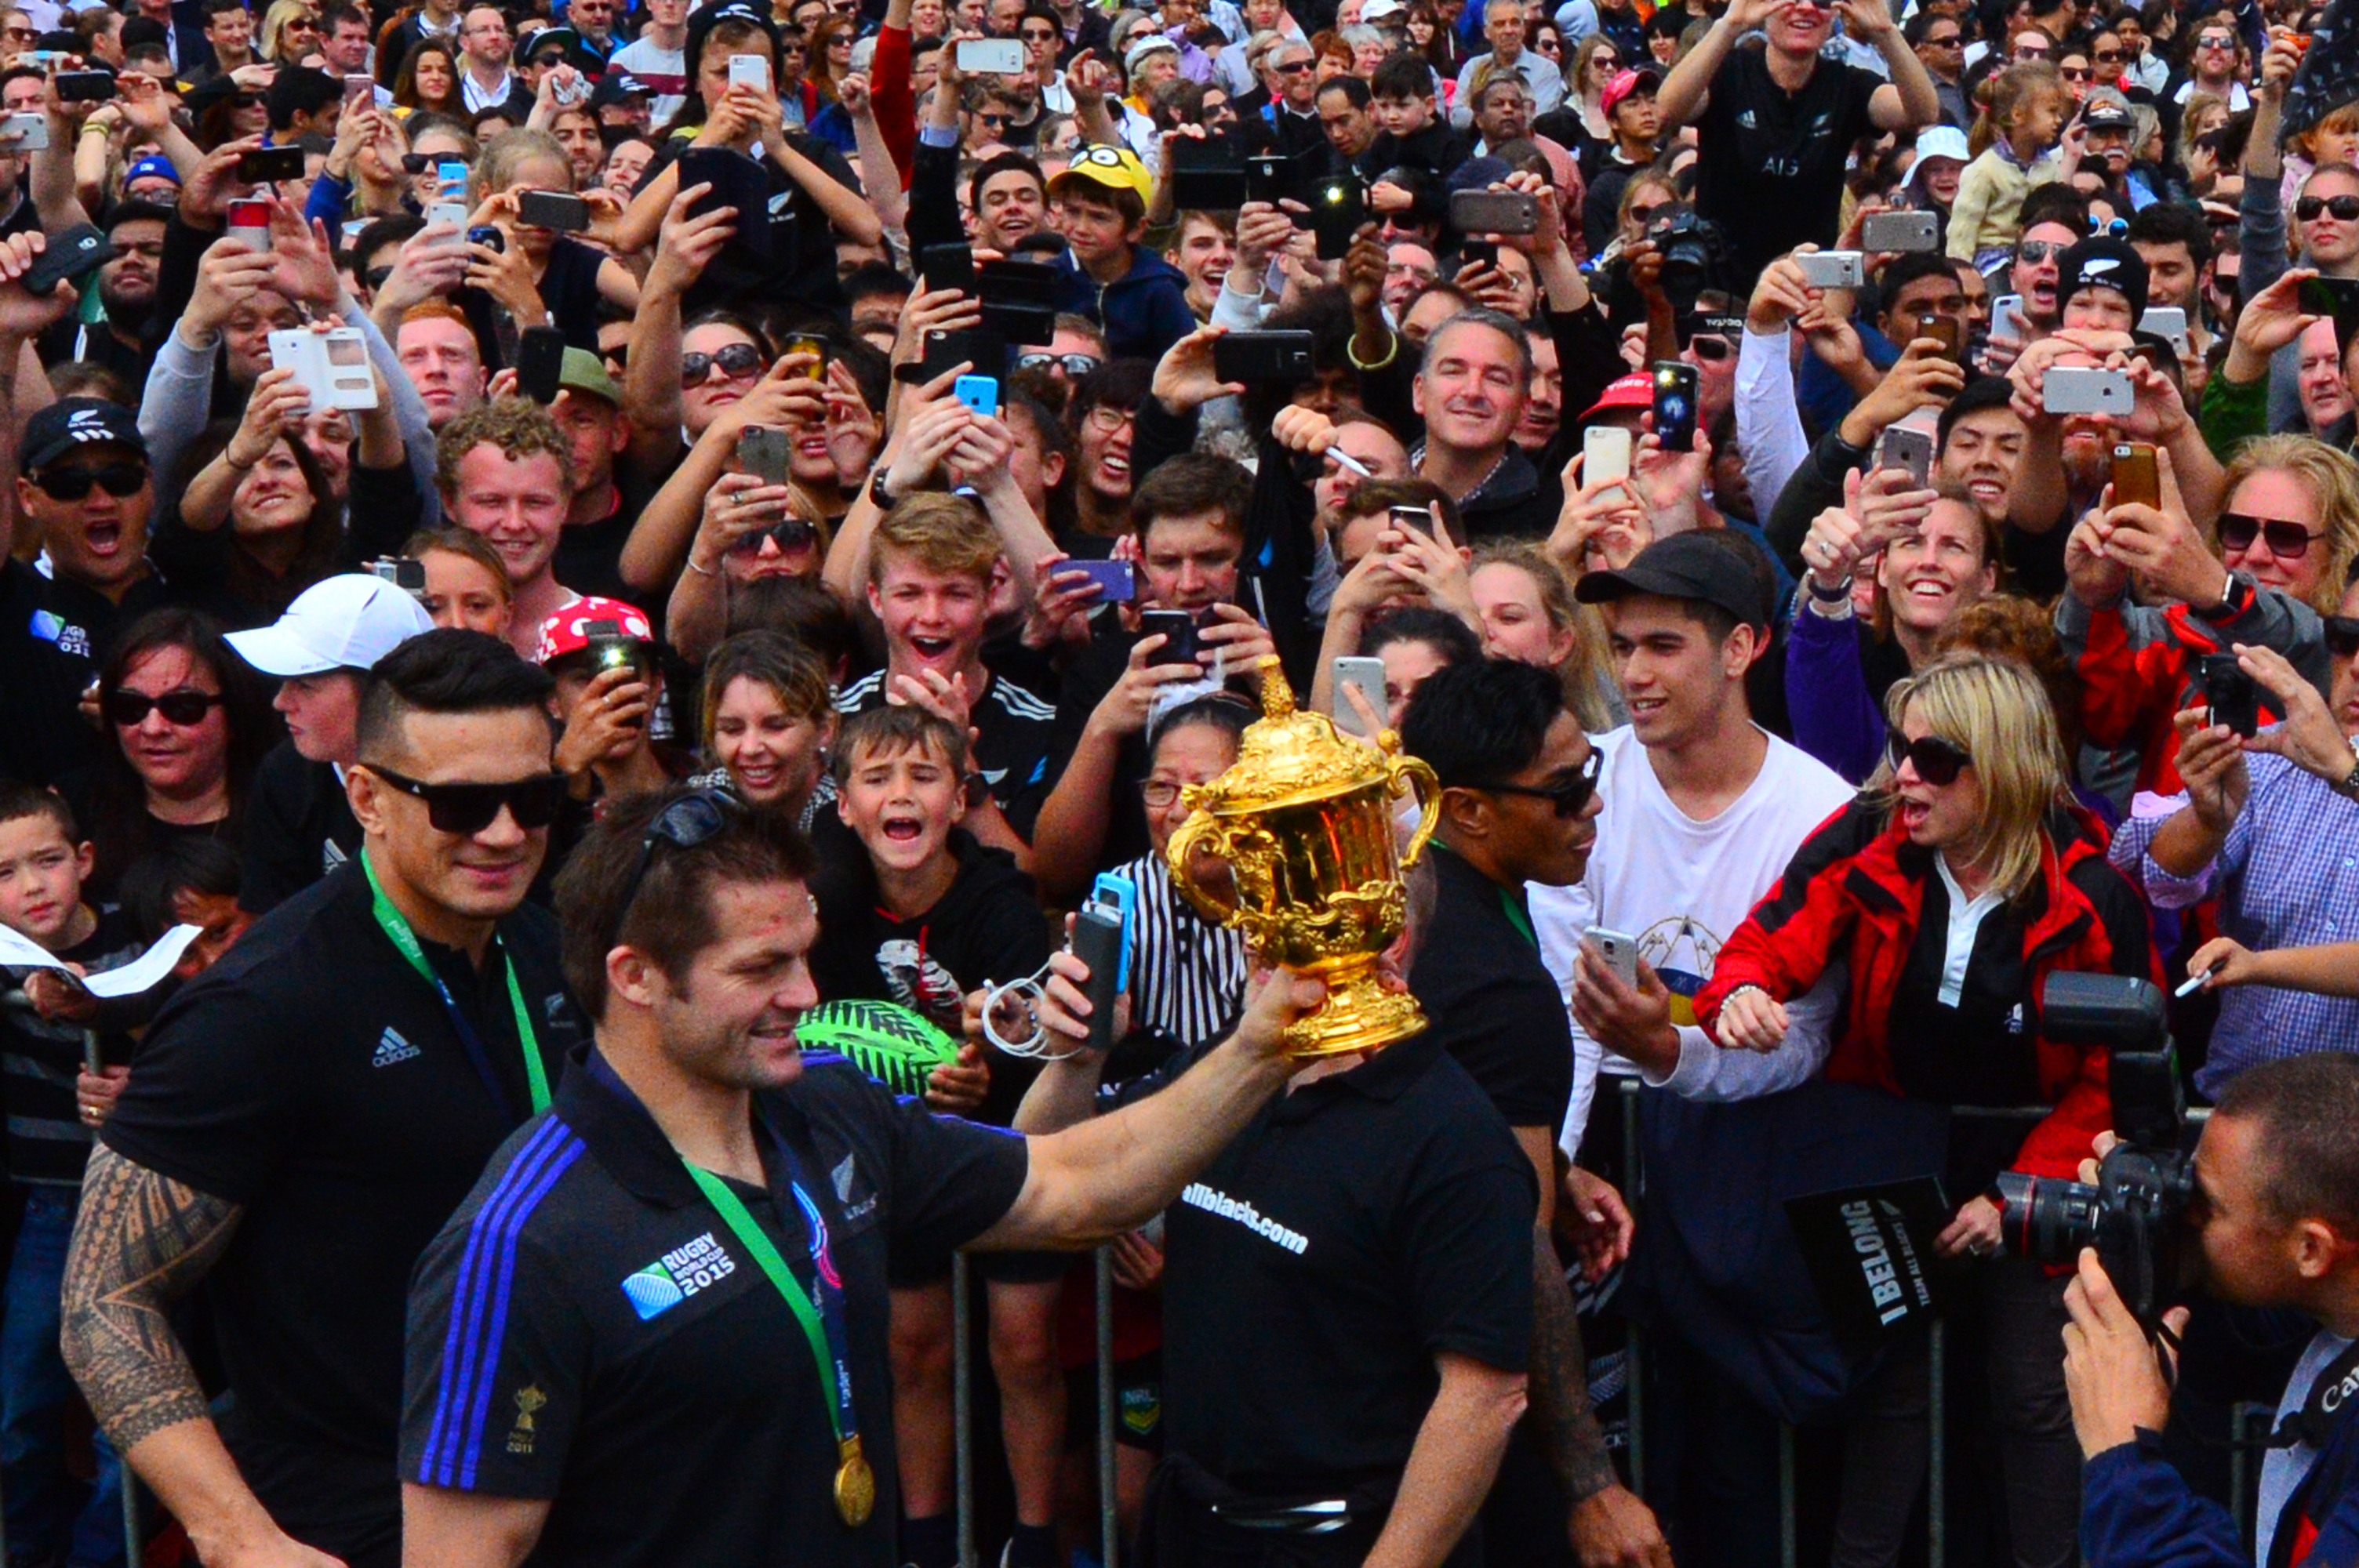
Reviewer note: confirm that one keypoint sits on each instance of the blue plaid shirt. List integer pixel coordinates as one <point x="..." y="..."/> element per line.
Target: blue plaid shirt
<point x="2286" y="876"/>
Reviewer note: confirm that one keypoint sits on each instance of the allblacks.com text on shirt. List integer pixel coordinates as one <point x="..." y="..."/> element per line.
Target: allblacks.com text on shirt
<point x="1199" y="1195"/>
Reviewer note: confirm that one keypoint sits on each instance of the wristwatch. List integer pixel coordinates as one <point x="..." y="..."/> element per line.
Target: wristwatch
<point x="876" y="490"/>
<point x="2349" y="787"/>
<point x="2234" y="600"/>
<point x="977" y="789"/>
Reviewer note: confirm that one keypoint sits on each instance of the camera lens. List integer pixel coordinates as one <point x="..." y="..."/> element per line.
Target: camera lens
<point x="2047" y="1220"/>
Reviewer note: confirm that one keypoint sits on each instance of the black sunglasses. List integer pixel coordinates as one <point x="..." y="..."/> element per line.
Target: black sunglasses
<point x="1936" y="761"/>
<point x="2341" y="635"/>
<point x="128" y="709"/>
<point x="735" y="360"/>
<point x="694" y="818"/>
<point x="790" y="536"/>
<point x="2345" y="207"/>
<point x="121" y="481"/>
<point x="2286" y="540"/>
<point x="467" y="808"/>
<point x="1568" y="795"/>
<point x="376" y="277"/>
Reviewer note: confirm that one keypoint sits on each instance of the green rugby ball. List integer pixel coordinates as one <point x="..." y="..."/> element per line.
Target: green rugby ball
<point x="888" y="1041"/>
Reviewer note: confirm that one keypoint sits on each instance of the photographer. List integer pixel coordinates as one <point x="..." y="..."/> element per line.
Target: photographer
<point x="2275" y="1224"/>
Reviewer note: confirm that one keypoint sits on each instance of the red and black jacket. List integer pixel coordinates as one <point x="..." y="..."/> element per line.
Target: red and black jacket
<point x="1855" y="895"/>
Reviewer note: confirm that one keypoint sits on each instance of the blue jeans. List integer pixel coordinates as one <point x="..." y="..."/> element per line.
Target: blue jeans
<point x="52" y="1518"/>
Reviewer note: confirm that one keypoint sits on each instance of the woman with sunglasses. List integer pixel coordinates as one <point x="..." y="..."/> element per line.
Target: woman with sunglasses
<point x="187" y="721"/>
<point x="1961" y="878"/>
<point x="429" y="79"/>
<point x="751" y="530"/>
<point x="2264" y="572"/>
<point x="1595" y="62"/>
<point x="290" y="32"/>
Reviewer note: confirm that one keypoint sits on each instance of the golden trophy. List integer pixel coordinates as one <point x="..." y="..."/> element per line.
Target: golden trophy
<point x="1304" y="822"/>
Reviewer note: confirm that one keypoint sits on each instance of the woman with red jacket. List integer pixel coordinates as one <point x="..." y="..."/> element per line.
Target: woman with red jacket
<point x="1962" y="876"/>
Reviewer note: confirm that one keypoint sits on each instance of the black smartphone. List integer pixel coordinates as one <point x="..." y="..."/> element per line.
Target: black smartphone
<point x="1208" y="190"/>
<point x="540" y="362"/>
<point x="488" y="235"/>
<point x="1027" y="323"/>
<point x="1339" y="205"/>
<point x="2234" y="697"/>
<point x="737" y="182"/>
<point x="2334" y="297"/>
<point x="1016" y="283"/>
<point x="1263" y="356"/>
<point x="947" y="266"/>
<point x="96" y="86"/>
<point x="983" y="350"/>
<point x="608" y="648"/>
<point x="1179" y="629"/>
<point x="1479" y="253"/>
<point x="1675" y="406"/>
<point x="263" y="164"/>
<point x="1272" y="178"/>
<point x="72" y="253"/>
<point x="558" y="209"/>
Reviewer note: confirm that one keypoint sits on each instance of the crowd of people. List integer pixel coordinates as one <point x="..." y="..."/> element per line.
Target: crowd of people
<point x="548" y="550"/>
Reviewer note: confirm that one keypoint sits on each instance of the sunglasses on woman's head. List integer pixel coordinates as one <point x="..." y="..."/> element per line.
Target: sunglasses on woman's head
<point x="121" y="481"/>
<point x="467" y="808"/>
<point x="2345" y="207"/>
<point x="130" y="709"/>
<point x="737" y="360"/>
<point x="1937" y="761"/>
<point x="2286" y="540"/>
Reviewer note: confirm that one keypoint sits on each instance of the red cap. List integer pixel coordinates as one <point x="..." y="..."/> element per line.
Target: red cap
<point x="1625" y="84"/>
<point x="567" y="631"/>
<point x="1636" y="390"/>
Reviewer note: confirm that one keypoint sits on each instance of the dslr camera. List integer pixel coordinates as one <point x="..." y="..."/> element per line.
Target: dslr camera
<point x="1695" y="257"/>
<point x="2135" y="1214"/>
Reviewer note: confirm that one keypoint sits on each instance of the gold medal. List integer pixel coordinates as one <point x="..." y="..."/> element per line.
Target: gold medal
<point x="855" y="1485"/>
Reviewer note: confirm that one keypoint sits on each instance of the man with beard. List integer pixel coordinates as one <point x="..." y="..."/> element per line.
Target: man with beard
<point x="1777" y="125"/>
<point x="127" y="288"/>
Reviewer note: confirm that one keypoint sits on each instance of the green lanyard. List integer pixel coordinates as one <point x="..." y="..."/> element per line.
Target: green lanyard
<point x="405" y="942"/>
<point x="734" y="1213"/>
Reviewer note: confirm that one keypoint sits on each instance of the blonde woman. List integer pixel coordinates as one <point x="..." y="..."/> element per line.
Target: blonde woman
<point x="1529" y="614"/>
<point x="1957" y="881"/>
<point x="290" y="31"/>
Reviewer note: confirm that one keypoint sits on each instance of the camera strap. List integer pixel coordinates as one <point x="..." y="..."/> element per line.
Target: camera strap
<point x="2331" y="1396"/>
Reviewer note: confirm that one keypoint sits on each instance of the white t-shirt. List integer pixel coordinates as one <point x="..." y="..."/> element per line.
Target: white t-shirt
<point x="2283" y="1469"/>
<point x="662" y="69"/>
<point x="1682" y="887"/>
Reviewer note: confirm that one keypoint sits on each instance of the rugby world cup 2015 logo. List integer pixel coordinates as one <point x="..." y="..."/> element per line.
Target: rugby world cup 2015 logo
<point x="678" y="1275"/>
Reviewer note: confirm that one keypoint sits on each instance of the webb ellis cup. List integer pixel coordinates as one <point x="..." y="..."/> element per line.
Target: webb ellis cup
<point x="1303" y="823"/>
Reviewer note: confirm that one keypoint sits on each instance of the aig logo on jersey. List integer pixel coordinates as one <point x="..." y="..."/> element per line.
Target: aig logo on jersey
<point x="678" y="1275"/>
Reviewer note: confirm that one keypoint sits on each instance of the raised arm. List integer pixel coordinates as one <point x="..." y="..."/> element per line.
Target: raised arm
<point x="1688" y="88"/>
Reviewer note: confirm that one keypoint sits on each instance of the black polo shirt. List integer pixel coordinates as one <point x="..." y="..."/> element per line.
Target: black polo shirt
<point x="1490" y="999"/>
<point x="52" y="638"/>
<point x="314" y="1078"/>
<point x="1772" y="170"/>
<point x="1359" y="1226"/>
<point x="297" y="828"/>
<point x="588" y="1330"/>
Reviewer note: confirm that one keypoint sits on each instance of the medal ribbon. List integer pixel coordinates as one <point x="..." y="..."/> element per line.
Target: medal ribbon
<point x="405" y="942"/>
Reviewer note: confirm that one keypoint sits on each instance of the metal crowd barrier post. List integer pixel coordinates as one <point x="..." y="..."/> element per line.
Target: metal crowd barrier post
<point x="134" y="1537"/>
<point x="1632" y="1370"/>
<point x="963" y="1407"/>
<point x="2249" y="1425"/>
<point x="1937" y="1447"/>
<point x="1109" y="1520"/>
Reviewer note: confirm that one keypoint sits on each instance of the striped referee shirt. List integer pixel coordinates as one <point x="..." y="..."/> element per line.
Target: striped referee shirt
<point x="1188" y="976"/>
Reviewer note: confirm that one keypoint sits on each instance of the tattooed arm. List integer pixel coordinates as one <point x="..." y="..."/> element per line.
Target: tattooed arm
<point x="141" y="1241"/>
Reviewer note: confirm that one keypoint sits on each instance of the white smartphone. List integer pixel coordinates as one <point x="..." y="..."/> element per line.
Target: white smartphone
<point x="1367" y="677"/>
<point x="333" y="366"/>
<point x="2168" y="322"/>
<point x="754" y="70"/>
<point x="454" y="213"/>
<point x="2085" y="389"/>
<point x="991" y="56"/>
<point x="25" y="133"/>
<point x="1833" y="269"/>
<point x="2006" y="316"/>
<point x="1621" y="952"/>
<point x="1604" y="453"/>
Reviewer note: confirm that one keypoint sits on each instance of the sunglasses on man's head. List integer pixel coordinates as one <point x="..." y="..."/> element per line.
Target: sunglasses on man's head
<point x="2345" y="207"/>
<point x="467" y="808"/>
<point x="736" y="360"/>
<point x="121" y="481"/>
<point x="694" y="818"/>
<point x="2286" y="540"/>
<point x="1937" y="761"/>
<point x="1567" y="794"/>
<point x="130" y="709"/>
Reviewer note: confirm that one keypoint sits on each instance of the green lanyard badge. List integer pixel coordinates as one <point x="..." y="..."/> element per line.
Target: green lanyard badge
<point x="405" y="942"/>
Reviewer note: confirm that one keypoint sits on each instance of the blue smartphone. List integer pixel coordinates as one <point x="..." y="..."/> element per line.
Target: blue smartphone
<point x="1117" y="582"/>
<point x="980" y="392"/>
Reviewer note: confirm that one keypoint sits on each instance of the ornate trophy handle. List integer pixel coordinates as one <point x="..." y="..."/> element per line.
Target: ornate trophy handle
<point x="1420" y="778"/>
<point x="1201" y="830"/>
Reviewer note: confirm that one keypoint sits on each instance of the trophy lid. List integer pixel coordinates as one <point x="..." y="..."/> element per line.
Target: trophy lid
<point x="1289" y="756"/>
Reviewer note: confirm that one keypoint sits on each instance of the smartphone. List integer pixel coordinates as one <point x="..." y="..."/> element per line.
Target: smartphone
<point x="947" y="266"/>
<point x="1902" y="448"/>
<point x="1494" y="212"/>
<point x="1478" y="253"/>
<point x="1898" y="232"/>
<point x="264" y="165"/>
<point x="1942" y="330"/>
<point x="72" y="253"/>
<point x="96" y="87"/>
<point x="249" y="223"/>
<point x="608" y="648"/>
<point x="1621" y="952"/>
<point x="2234" y="696"/>
<point x="1016" y="283"/>
<point x="2137" y="482"/>
<point x="991" y="56"/>
<point x="804" y="343"/>
<point x="540" y="362"/>
<point x="1272" y="178"/>
<point x="983" y="352"/>
<point x="2168" y="322"/>
<point x="1207" y="187"/>
<point x="332" y="367"/>
<point x="980" y="392"/>
<point x="1338" y="207"/>
<point x="1117" y="581"/>
<point x="558" y="209"/>
<point x="25" y="133"/>
<point x="404" y="572"/>
<point x="2085" y="389"/>
<point x="454" y="213"/>
<point x="2007" y="317"/>
<point x="1416" y="519"/>
<point x="1367" y="677"/>
<point x="1179" y="629"/>
<point x="1833" y="269"/>
<point x="1675" y="406"/>
<point x="1263" y="356"/>
<point x="359" y="91"/>
<point x="1604" y="453"/>
<point x="766" y="452"/>
<point x="1023" y="323"/>
<point x="452" y="172"/>
<point x="754" y="70"/>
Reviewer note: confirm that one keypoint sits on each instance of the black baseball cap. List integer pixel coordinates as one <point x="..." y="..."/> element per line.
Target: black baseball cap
<point x="73" y="422"/>
<point x="1692" y="565"/>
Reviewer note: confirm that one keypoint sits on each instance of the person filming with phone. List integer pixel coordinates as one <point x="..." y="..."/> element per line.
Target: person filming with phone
<point x="2273" y="1223"/>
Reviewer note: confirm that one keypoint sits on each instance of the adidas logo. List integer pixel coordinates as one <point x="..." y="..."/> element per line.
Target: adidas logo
<point x="391" y="1048"/>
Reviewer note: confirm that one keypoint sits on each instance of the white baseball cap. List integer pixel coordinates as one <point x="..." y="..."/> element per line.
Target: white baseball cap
<point x="346" y="623"/>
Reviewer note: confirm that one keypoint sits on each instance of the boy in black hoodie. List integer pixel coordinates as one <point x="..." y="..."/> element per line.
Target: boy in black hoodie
<point x="924" y="917"/>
